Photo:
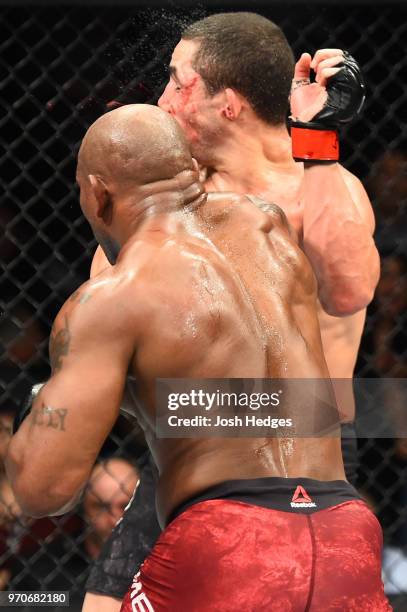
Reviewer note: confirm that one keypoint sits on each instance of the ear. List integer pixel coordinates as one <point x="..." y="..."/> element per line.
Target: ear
<point x="233" y="105"/>
<point x="101" y="195"/>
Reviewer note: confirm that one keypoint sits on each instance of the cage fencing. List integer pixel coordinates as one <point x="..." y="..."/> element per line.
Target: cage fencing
<point x="62" y="67"/>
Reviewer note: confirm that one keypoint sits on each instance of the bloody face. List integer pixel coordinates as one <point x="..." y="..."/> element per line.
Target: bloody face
<point x="187" y="99"/>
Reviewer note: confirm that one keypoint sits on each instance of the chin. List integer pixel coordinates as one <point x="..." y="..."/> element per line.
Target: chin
<point x="200" y="144"/>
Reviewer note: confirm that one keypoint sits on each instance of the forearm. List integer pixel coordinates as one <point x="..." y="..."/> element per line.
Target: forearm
<point x="55" y="448"/>
<point x="37" y="485"/>
<point x="44" y="480"/>
<point x="38" y="500"/>
<point x="338" y="242"/>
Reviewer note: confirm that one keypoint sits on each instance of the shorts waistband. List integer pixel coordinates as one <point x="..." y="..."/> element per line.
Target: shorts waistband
<point x="298" y="495"/>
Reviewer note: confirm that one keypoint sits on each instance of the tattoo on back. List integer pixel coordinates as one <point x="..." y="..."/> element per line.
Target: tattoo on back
<point x="50" y="417"/>
<point x="80" y="296"/>
<point x="59" y="346"/>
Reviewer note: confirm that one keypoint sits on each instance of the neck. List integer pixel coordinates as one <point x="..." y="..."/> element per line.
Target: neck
<point x="251" y="154"/>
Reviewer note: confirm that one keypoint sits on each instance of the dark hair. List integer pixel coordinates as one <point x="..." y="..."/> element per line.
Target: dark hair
<point x="248" y="53"/>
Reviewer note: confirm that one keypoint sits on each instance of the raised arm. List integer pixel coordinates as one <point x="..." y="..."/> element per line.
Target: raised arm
<point x="338" y="217"/>
<point x="338" y="229"/>
<point x="51" y="455"/>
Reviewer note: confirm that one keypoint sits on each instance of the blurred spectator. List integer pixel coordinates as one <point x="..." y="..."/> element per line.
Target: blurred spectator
<point x="110" y="488"/>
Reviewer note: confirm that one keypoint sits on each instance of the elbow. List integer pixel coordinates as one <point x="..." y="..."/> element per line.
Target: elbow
<point x="31" y="499"/>
<point x="347" y="295"/>
<point x="41" y="494"/>
<point x="41" y="499"/>
<point x="38" y="504"/>
<point x="346" y="302"/>
<point x="30" y="505"/>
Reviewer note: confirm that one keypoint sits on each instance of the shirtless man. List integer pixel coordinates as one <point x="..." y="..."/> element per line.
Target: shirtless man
<point x="141" y="193"/>
<point x="251" y="152"/>
<point x="231" y="101"/>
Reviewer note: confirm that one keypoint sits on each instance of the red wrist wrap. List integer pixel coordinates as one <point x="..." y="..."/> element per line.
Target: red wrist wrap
<point x="311" y="144"/>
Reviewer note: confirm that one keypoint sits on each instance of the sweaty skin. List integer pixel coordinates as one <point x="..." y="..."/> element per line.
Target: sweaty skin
<point x="268" y="330"/>
<point x="340" y="335"/>
<point x="326" y="205"/>
<point x="175" y="304"/>
<point x="252" y="314"/>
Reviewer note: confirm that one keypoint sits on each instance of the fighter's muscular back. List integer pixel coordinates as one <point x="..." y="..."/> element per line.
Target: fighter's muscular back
<point x="249" y="314"/>
<point x="340" y="335"/>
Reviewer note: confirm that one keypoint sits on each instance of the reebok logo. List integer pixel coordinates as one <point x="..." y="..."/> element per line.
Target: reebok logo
<point x="301" y="499"/>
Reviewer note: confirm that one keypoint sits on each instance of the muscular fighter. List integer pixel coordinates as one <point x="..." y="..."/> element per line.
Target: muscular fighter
<point x="173" y="305"/>
<point x="233" y="115"/>
<point x="230" y="80"/>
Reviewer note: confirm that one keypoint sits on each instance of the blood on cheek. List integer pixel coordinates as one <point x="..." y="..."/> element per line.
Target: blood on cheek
<point x="185" y="97"/>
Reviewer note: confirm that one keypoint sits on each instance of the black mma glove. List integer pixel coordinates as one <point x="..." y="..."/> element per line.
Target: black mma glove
<point x="317" y="140"/>
<point x="25" y="406"/>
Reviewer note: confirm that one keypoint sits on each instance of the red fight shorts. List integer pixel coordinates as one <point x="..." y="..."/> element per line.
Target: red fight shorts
<point x="265" y="545"/>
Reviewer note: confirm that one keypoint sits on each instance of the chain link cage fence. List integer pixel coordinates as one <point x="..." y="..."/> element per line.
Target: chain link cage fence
<point x="60" y="67"/>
